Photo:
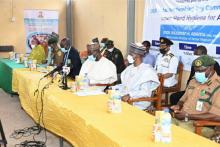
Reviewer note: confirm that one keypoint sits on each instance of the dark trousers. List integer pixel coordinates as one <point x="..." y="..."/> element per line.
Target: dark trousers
<point x="175" y="97"/>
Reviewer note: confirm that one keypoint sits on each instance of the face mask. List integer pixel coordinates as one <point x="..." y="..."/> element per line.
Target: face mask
<point x="195" y="57"/>
<point x="91" y="58"/>
<point x="200" y="77"/>
<point x="163" y="51"/>
<point x="102" y="45"/>
<point x="63" y="50"/>
<point x="110" y="50"/>
<point x="130" y="59"/>
<point x="32" y="46"/>
<point x="49" y="49"/>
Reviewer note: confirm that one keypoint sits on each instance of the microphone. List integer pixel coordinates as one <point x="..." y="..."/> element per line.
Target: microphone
<point x="58" y="68"/>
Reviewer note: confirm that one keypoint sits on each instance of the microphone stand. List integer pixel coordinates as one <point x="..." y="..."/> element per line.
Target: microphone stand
<point x="64" y="82"/>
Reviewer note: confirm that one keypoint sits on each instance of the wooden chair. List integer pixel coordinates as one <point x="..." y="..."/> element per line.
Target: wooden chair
<point x="176" y="87"/>
<point x="199" y="124"/>
<point x="156" y="95"/>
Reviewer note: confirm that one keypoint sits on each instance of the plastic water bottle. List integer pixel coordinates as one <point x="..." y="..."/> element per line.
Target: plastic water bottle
<point x="117" y="101"/>
<point x="156" y="132"/>
<point x="86" y="82"/>
<point x="114" y="102"/>
<point x="166" y="127"/>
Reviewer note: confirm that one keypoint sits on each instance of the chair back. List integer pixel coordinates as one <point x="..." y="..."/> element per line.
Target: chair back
<point x="159" y="92"/>
<point x="180" y="74"/>
<point x="199" y="124"/>
<point x="176" y="87"/>
<point x="156" y="95"/>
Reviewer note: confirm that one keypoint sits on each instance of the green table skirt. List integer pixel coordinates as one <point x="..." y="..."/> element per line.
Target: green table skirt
<point x="6" y="70"/>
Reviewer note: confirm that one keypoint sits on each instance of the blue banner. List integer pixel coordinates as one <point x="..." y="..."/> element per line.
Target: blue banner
<point x="191" y="33"/>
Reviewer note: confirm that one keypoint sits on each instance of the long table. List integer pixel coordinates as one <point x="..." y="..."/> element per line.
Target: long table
<point x="6" y="69"/>
<point x="85" y="122"/>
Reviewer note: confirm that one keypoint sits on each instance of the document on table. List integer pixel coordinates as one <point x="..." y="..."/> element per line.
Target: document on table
<point x="89" y="92"/>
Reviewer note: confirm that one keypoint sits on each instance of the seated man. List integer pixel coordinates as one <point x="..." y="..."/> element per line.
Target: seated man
<point x="167" y="63"/>
<point x="114" y="55"/>
<point x="138" y="79"/>
<point x="71" y="57"/>
<point x="99" y="69"/>
<point x="199" y="51"/>
<point x="201" y="99"/>
<point x="148" y="57"/>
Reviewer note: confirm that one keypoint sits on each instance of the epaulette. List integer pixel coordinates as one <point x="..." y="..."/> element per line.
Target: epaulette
<point x="218" y="80"/>
<point x="190" y="87"/>
<point x="209" y="82"/>
<point x="171" y="55"/>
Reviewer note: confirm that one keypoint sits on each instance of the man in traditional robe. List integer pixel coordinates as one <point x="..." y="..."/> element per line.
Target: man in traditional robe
<point x="138" y="79"/>
<point x="98" y="69"/>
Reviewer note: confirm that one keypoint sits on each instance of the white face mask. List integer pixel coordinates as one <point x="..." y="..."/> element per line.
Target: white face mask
<point x="195" y="56"/>
<point x="130" y="59"/>
<point x="102" y="45"/>
<point x="33" y="46"/>
<point x="110" y="50"/>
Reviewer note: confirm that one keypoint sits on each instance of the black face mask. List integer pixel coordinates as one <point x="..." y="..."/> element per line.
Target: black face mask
<point x="163" y="51"/>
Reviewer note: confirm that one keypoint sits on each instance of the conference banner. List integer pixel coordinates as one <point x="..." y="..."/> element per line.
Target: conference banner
<point x="188" y="23"/>
<point x="39" y="24"/>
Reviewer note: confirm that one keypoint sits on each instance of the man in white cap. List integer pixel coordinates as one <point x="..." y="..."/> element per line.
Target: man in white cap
<point x="98" y="69"/>
<point x="138" y="79"/>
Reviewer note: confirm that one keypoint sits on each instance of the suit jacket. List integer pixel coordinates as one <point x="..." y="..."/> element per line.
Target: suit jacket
<point x="117" y="58"/>
<point x="73" y="62"/>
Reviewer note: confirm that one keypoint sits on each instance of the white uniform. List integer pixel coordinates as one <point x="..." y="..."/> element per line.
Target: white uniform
<point x="139" y="82"/>
<point x="167" y="63"/>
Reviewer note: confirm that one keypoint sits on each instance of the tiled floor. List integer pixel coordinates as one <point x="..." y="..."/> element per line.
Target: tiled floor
<point x="13" y="118"/>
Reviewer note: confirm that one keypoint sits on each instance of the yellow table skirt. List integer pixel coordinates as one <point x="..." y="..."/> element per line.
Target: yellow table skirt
<point x="85" y="122"/>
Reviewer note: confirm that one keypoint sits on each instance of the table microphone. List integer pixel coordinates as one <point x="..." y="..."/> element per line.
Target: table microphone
<point x="58" y="68"/>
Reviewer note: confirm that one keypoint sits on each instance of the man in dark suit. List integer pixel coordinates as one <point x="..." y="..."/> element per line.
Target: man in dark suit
<point x="114" y="55"/>
<point x="71" y="57"/>
<point x="199" y="51"/>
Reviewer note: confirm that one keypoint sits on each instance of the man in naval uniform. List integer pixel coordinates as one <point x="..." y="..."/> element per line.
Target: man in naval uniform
<point x="167" y="63"/>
